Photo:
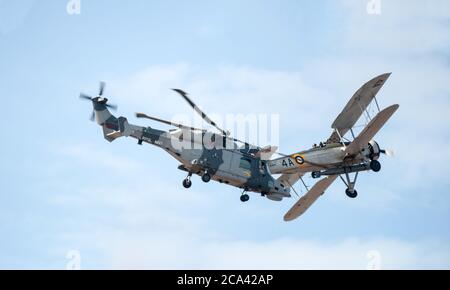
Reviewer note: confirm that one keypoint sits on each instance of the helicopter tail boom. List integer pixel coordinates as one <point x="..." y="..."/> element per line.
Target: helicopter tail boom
<point x="115" y="128"/>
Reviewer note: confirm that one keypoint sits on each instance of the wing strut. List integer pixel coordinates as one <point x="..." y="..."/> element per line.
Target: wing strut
<point x="356" y="107"/>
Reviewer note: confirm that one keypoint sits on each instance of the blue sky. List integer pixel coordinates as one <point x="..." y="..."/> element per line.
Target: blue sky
<point x="122" y="205"/>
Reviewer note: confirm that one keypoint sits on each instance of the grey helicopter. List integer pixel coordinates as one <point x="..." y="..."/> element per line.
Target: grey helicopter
<point x="211" y="155"/>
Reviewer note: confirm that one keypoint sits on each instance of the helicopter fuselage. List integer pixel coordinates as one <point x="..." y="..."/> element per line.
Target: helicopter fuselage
<point x="220" y="158"/>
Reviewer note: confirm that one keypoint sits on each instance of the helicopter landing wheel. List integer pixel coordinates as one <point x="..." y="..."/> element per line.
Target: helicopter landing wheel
<point x="206" y="177"/>
<point x="187" y="183"/>
<point x="245" y="197"/>
<point x="351" y="193"/>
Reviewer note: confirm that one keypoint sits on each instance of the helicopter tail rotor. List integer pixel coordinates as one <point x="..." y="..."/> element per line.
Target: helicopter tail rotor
<point x="99" y="102"/>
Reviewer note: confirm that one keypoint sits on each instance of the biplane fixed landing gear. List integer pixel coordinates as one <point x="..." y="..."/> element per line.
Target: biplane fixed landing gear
<point x="187" y="183"/>
<point x="350" y="191"/>
<point x="375" y="165"/>
<point x="351" y="194"/>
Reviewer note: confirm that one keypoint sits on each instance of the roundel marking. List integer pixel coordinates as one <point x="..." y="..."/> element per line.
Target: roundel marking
<point x="299" y="159"/>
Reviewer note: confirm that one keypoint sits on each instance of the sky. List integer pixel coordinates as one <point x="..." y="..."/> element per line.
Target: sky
<point x="70" y="199"/>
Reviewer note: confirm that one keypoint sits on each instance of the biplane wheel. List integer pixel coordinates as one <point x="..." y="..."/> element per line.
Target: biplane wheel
<point x="187" y="183"/>
<point x="351" y="194"/>
<point x="206" y="177"/>
<point x="245" y="197"/>
<point x="375" y="165"/>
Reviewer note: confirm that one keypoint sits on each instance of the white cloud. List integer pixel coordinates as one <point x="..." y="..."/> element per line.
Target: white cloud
<point x="98" y="157"/>
<point x="147" y="234"/>
<point x="406" y="27"/>
<point x="222" y="90"/>
<point x="169" y="252"/>
<point x="128" y="227"/>
<point x="137" y="226"/>
<point x="231" y="89"/>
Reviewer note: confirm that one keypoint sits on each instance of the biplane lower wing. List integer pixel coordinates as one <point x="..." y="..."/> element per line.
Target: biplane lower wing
<point x="356" y="107"/>
<point x="290" y="179"/>
<point x="309" y="198"/>
<point x="371" y="130"/>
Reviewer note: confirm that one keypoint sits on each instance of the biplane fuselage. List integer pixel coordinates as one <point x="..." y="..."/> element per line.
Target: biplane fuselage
<point x="321" y="158"/>
<point x="318" y="158"/>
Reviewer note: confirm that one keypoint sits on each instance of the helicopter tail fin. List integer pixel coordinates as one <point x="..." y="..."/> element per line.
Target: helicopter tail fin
<point x="114" y="128"/>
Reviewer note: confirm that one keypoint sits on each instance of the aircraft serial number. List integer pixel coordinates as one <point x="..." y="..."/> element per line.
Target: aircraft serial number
<point x="287" y="163"/>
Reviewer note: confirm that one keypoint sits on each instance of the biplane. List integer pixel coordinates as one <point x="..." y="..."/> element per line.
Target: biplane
<point x="343" y="155"/>
<point x="220" y="157"/>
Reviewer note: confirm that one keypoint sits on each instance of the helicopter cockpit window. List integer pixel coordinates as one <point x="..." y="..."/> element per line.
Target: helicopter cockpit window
<point x="245" y="164"/>
<point x="262" y="166"/>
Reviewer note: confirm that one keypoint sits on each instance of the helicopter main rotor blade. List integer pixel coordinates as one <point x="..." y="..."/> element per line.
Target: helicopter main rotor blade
<point x="85" y="97"/>
<point x="181" y="126"/>
<point x="200" y="112"/>
<point x="101" y="88"/>
<point x="111" y="106"/>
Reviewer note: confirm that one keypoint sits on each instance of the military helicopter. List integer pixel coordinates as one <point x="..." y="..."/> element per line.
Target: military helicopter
<point x="222" y="158"/>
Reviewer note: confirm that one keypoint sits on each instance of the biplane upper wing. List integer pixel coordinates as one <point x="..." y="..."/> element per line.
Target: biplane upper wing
<point x="371" y="130"/>
<point x="356" y="107"/>
<point x="309" y="198"/>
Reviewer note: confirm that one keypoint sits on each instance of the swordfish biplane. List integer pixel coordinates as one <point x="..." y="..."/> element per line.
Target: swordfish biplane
<point x="220" y="157"/>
